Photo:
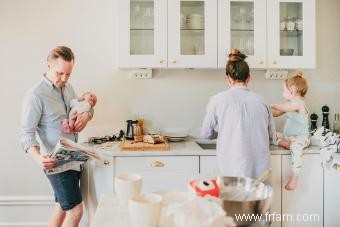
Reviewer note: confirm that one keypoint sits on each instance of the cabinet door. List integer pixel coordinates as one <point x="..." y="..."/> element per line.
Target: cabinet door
<point x="275" y="182"/>
<point x="305" y="203"/>
<point x="99" y="175"/>
<point x="242" y="25"/>
<point x="192" y="34"/>
<point x="208" y="166"/>
<point x="160" y="173"/>
<point x="332" y="198"/>
<point x="291" y="33"/>
<point x="142" y="33"/>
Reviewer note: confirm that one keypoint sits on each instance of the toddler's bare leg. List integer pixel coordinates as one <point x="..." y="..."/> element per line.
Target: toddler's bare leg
<point x="284" y="143"/>
<point x="297" y="147"/>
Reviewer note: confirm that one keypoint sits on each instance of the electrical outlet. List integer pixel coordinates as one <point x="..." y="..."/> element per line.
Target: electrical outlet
<point x="276" y="74"/>
<point x="141" y="74"/>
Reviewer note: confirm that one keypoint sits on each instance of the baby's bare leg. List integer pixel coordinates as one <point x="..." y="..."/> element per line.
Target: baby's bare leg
<point x="72" y="120"/>
<point x="65" y="126"/>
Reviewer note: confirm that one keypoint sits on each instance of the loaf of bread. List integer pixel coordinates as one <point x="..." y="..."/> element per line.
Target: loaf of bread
<point x="153" y="139"/>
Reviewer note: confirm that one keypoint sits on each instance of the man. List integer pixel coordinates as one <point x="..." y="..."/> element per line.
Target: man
<point x="46" y="105"/>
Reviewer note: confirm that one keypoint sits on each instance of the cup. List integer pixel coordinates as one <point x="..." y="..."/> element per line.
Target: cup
<point x="127" y="185"/>
<point x="282" y="25"/>
<point x="145" y="209"/>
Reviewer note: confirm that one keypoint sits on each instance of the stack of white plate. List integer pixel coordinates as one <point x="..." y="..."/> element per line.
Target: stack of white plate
<point x="176" y="137"/>
<point x="195" y="21"/>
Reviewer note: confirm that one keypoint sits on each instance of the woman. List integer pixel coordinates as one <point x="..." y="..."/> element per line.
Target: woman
<point x="242" y="122"/>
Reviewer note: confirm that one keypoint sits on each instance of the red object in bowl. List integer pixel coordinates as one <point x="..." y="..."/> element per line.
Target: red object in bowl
<point x="205" y="187"/>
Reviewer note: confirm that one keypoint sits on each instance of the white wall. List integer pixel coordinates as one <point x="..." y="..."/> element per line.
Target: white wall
<point x="30" y="28"/>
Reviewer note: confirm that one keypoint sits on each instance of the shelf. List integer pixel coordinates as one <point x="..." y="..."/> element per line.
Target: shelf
<point x="294" y="33"/>
<point x="141" y="29"/>
<point x="187" y="29"/>
<point x="242" y="30"/>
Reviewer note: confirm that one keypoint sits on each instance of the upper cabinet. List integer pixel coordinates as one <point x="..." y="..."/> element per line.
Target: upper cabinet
<point x="201" y="33"/>
<point x="242" y="25"/>
<point x="142" y="33"/>
<point x="173" y="34"/>
<point x="192" y="34"/>
<point x="291" y="33"/>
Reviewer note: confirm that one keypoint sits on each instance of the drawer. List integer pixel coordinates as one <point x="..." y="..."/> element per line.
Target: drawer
<point x="160" y="173"/>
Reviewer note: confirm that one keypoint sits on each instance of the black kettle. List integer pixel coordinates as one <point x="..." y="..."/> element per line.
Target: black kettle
<point x="130" y="129"/>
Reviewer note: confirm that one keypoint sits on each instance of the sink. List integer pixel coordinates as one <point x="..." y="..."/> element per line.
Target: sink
<point x="207" y="145"/>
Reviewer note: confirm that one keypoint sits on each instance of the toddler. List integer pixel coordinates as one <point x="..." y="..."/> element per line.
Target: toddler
<point x="295" y="134"/>
<point x="83" y="104"/>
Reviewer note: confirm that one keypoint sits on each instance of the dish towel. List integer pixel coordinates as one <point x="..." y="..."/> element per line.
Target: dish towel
<point x="200" y="212"/>
<point x="329" y="143"/>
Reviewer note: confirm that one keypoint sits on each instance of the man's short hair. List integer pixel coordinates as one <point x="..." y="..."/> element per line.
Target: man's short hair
<point x="61" y="52"/>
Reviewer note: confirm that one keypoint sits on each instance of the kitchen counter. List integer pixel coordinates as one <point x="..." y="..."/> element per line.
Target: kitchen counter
<point x="187" y="148"/>
<point x="109" y="213"/>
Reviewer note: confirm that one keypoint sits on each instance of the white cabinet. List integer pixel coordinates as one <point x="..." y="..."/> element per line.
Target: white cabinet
<point x="174" y="34"/>
<point x="97" y="179"/>
<point x="162" y="172"/>
<point x="273" y="33"/>
<point x="200" y="34"/>
<point x="276" y="183"/>
<point x="208" y="166"/>
<point x="291" y="33"/>
<point x="242" y="25"/>
<point x="142" y="33"/>
<point x="192" y="34"/>
<point x="331" y="198"/>
<point x="305" y="203"/>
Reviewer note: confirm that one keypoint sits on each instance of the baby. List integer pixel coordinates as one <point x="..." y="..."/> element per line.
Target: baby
<point x="296" y="130"/>
<point x="83" y="104"/>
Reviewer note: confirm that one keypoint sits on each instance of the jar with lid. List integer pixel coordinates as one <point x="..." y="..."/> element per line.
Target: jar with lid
<point x="336" y="123"/>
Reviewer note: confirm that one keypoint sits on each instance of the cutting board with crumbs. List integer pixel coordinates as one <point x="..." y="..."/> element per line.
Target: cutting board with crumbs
<point x="131" y="145"/>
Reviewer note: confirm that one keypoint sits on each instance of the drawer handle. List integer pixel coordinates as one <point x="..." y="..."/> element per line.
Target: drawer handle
<point x="174" y="61"/>
<point x="274" y="62"/>
<point x="161" y="61"/>
<point x="261" y="62"/>
<point x="106" y="162"/>
<point x="157" y="164"/>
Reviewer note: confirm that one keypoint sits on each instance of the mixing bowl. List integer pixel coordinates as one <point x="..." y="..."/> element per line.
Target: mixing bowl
<point x="240" y="197"/>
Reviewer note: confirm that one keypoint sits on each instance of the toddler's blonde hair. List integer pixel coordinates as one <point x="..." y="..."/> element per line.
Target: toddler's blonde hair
<point x="298" y="82"/>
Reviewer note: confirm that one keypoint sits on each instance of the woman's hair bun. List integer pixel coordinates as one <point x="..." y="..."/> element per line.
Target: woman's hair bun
<point x="299" y="73"/>
<point x="236" y="55"/>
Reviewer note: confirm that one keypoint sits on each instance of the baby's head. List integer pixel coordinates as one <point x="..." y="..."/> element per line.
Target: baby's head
<point x="90" y="98"/>
<point x="295" y="86"/>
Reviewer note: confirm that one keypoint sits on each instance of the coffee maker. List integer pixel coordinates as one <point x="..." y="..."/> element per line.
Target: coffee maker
<point x="130" y="129"/>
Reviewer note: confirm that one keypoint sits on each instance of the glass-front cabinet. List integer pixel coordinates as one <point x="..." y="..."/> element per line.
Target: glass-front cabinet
<point x="201" y="33"/>
<point x="291" y="33"/>
<point x="173" y="34"/>
<point x="242" y="25"/>
<point x="142" y="33"/>
<point x="192" y="34"/>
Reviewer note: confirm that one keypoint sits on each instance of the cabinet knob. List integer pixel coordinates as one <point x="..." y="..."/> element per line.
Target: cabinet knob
<point x="106" y="162"/>
<point x="161" y="61"/>
<point x="274" y="62"/>
<point x="157" y="164"/>
<point x="261" y="62"/>
<point x="174" y="61"/>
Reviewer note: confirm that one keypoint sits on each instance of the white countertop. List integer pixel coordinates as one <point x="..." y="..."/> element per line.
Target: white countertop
<point x="110" y="214"/>
<point x="187" y="148"/>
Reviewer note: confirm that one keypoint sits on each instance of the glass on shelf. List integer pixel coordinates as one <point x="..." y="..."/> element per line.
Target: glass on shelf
<point x="192" y="24"/>
<point x="291" y="29"/>
<point x="141" y="15"/>
<point x="242" y="26"/>
<point x="142" y="27"/>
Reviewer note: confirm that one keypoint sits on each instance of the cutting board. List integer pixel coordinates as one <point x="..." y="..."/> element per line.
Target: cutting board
<point x="131" y="145"/>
